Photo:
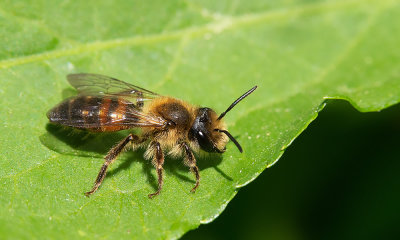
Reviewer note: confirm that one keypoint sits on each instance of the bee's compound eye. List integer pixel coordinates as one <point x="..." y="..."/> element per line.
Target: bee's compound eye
<point x="199" y="130"/>
<point x="170" y="123"/>
<point x="204" y="141"/>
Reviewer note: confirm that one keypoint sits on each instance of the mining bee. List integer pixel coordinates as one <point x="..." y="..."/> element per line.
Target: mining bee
<point x="105" y="104"/>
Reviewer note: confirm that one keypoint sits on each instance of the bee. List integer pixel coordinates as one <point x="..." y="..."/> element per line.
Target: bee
<point x="106" y="104"/>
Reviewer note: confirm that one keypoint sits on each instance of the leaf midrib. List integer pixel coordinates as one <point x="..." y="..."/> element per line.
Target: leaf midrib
<point x="222" y="24"/>
<point x="341" y="56"/>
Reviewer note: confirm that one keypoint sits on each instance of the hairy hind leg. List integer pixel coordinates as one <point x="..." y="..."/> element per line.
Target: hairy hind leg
<point x="110" y="157"/>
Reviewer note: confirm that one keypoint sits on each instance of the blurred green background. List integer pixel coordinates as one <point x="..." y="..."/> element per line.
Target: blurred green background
<point x="339" y="180"/>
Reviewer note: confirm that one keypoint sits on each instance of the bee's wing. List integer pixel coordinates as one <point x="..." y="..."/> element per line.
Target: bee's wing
<point x="117" y="93"/>
<point x="94" y="113"/>
<point x="96" y="84"/>
<point x="134" y="117"/>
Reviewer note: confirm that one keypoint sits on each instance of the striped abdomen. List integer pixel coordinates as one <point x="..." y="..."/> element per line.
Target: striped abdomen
<point x="93" y="113"/>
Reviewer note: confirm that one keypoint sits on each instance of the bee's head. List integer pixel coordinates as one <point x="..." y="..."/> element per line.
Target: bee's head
<point x="208" y="129"/>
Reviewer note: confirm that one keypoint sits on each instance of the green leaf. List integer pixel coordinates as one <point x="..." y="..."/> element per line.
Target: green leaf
<point x="299" y="53"/>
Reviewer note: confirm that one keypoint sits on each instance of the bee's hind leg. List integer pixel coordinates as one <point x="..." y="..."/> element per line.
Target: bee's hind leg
<point x="110" y="157"/>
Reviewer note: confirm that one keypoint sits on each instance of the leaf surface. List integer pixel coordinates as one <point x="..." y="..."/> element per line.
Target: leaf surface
<point x="299" y="53"/>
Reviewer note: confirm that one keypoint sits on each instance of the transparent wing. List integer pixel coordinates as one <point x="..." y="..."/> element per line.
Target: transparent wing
<point x="131" y="119"/>
<point x="96" y="84"/>
<point x="134" y="117"/>
<point x="96" y="113"/>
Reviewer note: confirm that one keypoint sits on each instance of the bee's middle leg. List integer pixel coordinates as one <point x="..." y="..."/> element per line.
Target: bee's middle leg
<point x="158" y="161"/>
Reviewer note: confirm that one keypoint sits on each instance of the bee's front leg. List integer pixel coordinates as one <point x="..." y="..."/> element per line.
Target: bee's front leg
<point x="190" y="161"/>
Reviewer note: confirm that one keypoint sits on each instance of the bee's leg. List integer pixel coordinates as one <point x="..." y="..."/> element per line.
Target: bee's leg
<point x="190" y="161"/>
<point x="158" y="161"/>
<point x="110" y="157"/>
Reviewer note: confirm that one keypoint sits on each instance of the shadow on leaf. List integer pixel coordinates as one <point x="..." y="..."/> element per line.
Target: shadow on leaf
<point x="70" y="141"/>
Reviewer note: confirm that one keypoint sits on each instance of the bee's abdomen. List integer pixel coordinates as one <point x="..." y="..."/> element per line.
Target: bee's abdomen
<point x="90" y="112"/>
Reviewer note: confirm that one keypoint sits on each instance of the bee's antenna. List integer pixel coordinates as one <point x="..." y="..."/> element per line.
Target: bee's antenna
<point x="231" y="137"/>
<point x="234" y="104"/>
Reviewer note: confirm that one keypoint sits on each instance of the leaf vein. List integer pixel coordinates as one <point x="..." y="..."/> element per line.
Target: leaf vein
<point x="324" y="73"/>
<point x="217" y="26"/>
